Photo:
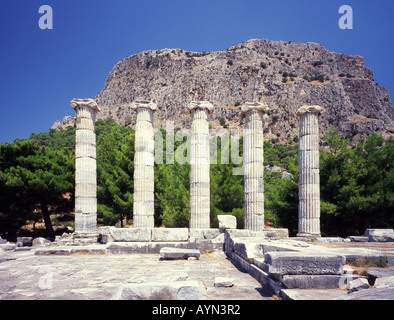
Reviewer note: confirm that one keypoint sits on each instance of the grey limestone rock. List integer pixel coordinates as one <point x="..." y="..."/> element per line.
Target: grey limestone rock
<point x="227" y="222"/>
<point x="178" y="253"/>
<point x="303" y="263"/>
<point x="380" y="235"/>
<point x="130" y="234"/>
<point x="24" y="241"/>
<point x="177" y="290"/>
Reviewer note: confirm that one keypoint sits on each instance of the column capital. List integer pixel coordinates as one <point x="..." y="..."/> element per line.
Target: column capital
<point x="204" y="105"/>
<point x="90" y="103"/>
<point x="253" y="106"/>
<point x="311" y="109"/>
<point x="137" y="104"/>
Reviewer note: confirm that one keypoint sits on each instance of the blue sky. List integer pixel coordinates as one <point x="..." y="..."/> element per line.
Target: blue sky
<point x="43" y="70"/>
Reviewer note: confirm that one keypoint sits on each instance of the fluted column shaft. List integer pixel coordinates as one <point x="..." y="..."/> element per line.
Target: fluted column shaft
<point x="144" y="180"/>
<point x="254" y="165"/>
<point x="309" y="173"/>
<point x="200" y="166"/>
<point x="85" y="166"/>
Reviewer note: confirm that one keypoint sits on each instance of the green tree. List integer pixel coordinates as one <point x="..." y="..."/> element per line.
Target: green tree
<point x="172" y="196"/>
<point x="115" y="169"/>
<point x="356" y="185"/>
<point x="35" y="178"/>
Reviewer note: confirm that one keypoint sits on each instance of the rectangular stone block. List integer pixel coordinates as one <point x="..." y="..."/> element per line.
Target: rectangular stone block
<point x="144" y="158"/>
<point x="143" y="171"/>
<point x="143" y="128"/>
<point x="255" y="208"/>
<point x="143" y="221"/>
<point x="254" y="169"/>
<point x="82" y="177"/>
<point x="86" y="190"/>
<point x="309" y="159"/>
<point x="131" y="234"/>
<point x="145" y="144"/>
<point x="303" y="263"/>
<point x="85" y="165"/>
<point x="199" y="189"/>
<point x="179" y="253"/>
<point x="144" y="115"/>
<point x="253" y="123"/>
<point x="147" y="185"/>
<point x="204" y="233"/>
<point x="248" y="249"/>
<point x="254" y="197"/>
<point x="83" y="123"/>
<point x="85" y="150"/>
<point x="309" y="176"/>
<point x="86" y="113"/>
<point x="85" y="136"/>
<point x="380" y="235"/>
<point x="199" y="173"/>
<point x="200" y="114"/>
<point x="315" y="281"/>
<point x="85" y="205"/>
<point x="170" y="234"/>
<point x="309" y="127"/>
<point x="227" y="222"/>
<point x="254" y="140"/>
<point x="143" y="208"/>
<point x="309" y="142"/>
<point x="200" y="156"/>
<point x="309" y="191"/>
<point x="309" y="208"/>
<point x="85" y="222"/>
<point x="253" y="155"/>
<point x="142" y="196"/>
<point x="201" y="204"/>
<point x="253" y="185"/>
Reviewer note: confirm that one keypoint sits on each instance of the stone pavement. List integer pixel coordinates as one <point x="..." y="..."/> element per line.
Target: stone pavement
<point x="25" y="276"/>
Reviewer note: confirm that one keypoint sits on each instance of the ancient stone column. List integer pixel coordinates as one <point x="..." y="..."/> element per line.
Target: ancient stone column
<point x="199" y="165"/>
<point x="144" y="180"/>
<point x="254" y="165"/>
<point x="309" y="174"/>
<point x="85" y="169"/>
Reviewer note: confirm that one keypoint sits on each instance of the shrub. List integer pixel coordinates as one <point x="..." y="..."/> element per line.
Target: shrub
<point x="230" y="62"/>
<point x="317" y="63"/>
<point x="222" y="121"/>
<point x="263" y="65"/>
<point x="284" y="80"/>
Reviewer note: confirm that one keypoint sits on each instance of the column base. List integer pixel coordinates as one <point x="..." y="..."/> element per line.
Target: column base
<point x="308" y="235"/>
<point x="85" y="238"/>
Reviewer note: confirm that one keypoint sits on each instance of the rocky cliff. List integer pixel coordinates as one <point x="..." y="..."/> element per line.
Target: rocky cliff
<point x="286" y="75"/>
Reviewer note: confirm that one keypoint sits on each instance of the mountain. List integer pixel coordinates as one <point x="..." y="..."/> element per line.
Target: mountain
<point x="286" y="75"/>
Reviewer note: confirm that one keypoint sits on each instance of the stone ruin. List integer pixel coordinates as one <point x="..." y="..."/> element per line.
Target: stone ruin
<point x="143" y="205"/>
<point x="279" y="262"/>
